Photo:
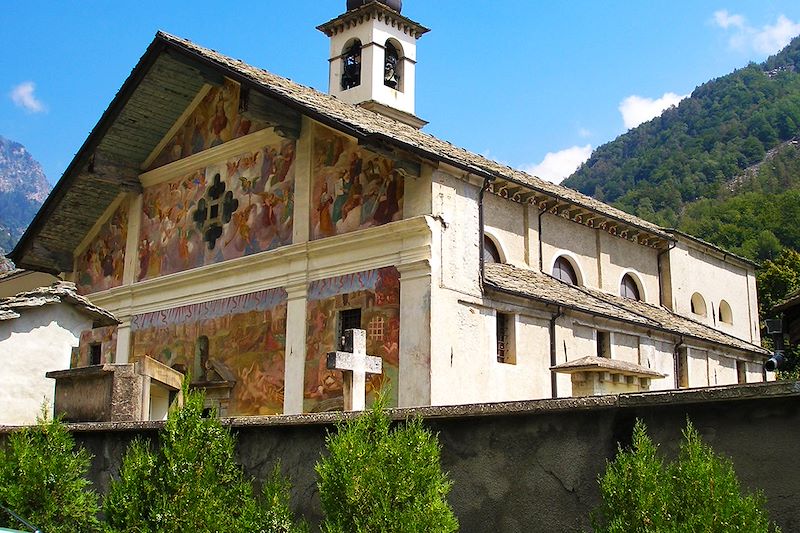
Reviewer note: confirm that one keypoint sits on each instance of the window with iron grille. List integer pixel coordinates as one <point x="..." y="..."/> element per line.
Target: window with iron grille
<point x="348" y="319"/>
<point x="505" y="338"/>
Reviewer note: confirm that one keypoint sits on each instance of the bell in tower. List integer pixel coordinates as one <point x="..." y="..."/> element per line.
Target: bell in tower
<point x="373" y="58"/>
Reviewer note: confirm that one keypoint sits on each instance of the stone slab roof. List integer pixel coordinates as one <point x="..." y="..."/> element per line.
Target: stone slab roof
<point x="59" y="292"/>
<point x="593" y="363"/>
<point x="547" y="289"/>
<point x="363" y="123"/>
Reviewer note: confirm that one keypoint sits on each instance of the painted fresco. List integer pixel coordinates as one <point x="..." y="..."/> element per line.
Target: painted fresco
<point x="101" y="264"/>
<point x="353" y="188"/>
<point x="221" y="212"/>
<point x="377" y="294"/>
<point x="106" y="337"/>
<point x="243" y="336"/>
<point x="214" y="121"/>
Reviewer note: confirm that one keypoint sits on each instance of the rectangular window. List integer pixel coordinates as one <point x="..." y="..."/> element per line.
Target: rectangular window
<point x="604" y="344"/>
<point x="95" y="353"/>
<point x="348" y="319"/>
<point x="505" y="338"/>
<point x="741" y="372"/>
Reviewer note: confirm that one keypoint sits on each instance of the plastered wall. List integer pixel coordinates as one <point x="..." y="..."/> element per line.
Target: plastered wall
<point x="39" y="341"/>
<point x="693" y="271"/>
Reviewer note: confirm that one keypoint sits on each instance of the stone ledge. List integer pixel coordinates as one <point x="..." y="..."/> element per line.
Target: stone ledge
<point x="754" y="391"/>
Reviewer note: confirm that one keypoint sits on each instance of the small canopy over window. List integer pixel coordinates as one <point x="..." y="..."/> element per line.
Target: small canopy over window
<point x="563" y="270"/>
<point x="725" y="313"/>
<point x="628" y="288"/>
<point x="391" y="67"/>
<point x="698" y="304"/>
<point x="351" y="65"/>
<point x="490" y="252"/>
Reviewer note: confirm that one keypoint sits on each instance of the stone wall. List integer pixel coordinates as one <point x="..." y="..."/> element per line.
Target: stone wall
<point x="532" y="466"/>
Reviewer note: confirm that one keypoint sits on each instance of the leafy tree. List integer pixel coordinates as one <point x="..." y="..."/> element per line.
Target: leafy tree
<point x="43" y="480"/>
<point x="699" y="492"/>
<point x="776" y="279"/>
<point x="191" y="482"/>
<point x="376" y="478"/>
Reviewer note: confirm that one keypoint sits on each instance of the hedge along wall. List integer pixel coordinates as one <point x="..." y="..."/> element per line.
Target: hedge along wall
<point x="532" y="466"/>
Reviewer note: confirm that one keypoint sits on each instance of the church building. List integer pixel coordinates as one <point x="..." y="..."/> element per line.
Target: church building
<point x="236" y="223"/>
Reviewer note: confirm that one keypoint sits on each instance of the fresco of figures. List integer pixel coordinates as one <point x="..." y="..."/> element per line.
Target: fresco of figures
<point x="242" y="336"/>
<point x="377" y="294"/>
<point x="214" y="121"/>
<point x="352" y="188"/>
<point x="240" y="207"/>
<point x="99" y="267"/>
<point x="106" y="337"/>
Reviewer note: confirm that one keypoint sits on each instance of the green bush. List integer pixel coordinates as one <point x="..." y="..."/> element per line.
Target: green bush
<point x="376" y="478"/>
<point x="698" y="493"/>
<point x="43" y="480"/>
<point x="191" y="482"/>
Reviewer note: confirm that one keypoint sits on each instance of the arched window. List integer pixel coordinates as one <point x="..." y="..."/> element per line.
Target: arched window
<point x="628" y="288"/>
<point x="392" y="67"/>
<point x="351" y="65"/>
<point x="490" y="252"/>
<point x="725" y="313"/>
<point x="563" y="270"/>
<point x="698" y="304"/>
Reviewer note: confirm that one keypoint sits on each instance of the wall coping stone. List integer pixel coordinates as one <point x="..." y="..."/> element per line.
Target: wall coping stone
<point x="753" y="391"/>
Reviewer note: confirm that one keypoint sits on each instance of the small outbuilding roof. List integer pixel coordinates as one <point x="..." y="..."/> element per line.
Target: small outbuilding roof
<point x="59" y="292"/>
<point x="547" y="289"/>
<point x="593" y="363"/>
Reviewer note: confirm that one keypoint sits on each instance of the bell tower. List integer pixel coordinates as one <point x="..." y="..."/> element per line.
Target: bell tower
<point x="373" y="57"/>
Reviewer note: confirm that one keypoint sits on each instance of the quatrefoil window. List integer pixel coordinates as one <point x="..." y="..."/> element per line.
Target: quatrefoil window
<point x="213" y="210"/>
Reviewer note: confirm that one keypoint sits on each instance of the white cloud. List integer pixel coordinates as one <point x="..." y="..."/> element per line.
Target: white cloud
<point x="22" y="96"/>
<point x="584" y="133"/>
<point x="725" y="20"/>
<point x="558" y="165"/>
<point x="771" y="39"/>
<point x="766" y="40"/>
<point x="637" y="109"/>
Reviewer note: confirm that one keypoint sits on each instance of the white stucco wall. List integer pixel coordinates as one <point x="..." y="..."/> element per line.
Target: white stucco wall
<point x="504" y="221"/>
<point x="40" y="340"/>
<point x="693" y="271"/>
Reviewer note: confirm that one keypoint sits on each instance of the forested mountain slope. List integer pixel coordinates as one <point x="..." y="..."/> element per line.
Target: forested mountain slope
<point x="693" y="167"/>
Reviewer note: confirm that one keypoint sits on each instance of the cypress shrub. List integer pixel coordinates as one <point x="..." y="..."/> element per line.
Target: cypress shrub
<point x="43" y="480"/>
<point x="699" y="492"/>
<point x="191" y="482"/>
<point x="376" y="478"/>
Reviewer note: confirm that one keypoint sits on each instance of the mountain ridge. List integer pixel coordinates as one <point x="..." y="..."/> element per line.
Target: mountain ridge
<point x="23" y="189"/>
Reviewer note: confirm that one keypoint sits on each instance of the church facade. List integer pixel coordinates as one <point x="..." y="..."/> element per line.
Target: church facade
<point x="236" y="223"/>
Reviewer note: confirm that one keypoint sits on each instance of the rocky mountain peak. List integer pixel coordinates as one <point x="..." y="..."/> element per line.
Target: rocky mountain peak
<point x="19" y="171"/>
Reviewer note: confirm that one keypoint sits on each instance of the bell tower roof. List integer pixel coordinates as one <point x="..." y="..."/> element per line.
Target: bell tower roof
<point x="397" y="5"/>
<point x="360" y="10"/>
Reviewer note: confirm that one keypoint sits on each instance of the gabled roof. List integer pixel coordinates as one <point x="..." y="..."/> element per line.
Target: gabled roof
<point x="59" y="292"/>
<point x="547" y="289"/>
<point x="163" y="84"/>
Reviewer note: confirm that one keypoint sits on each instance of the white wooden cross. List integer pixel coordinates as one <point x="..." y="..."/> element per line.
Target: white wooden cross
<point x="355" y="364"/>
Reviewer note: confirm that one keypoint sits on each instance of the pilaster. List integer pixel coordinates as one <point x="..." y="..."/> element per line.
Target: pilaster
<point x="295" y="355"/>
<point x="132" y="240"/>
<point x="301" y="218"/>
<point x="414" y="387"/>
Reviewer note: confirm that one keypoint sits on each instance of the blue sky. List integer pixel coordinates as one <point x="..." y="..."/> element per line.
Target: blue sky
<point x="533" y="84"/>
